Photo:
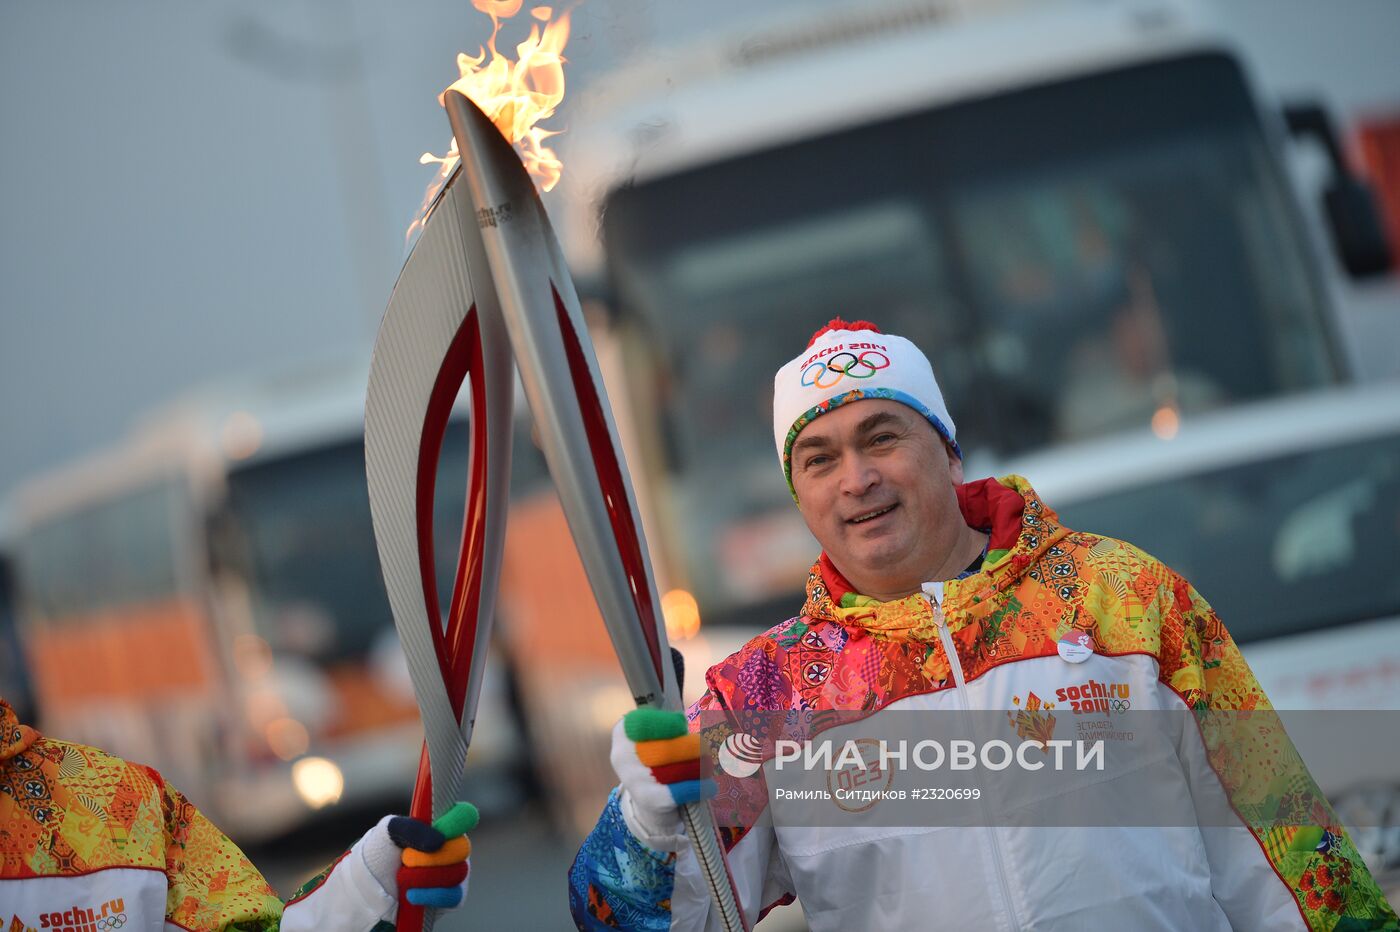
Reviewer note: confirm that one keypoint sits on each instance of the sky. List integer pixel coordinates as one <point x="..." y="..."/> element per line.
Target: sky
<point x="197" y="189"/>
<point x="194" y="190"/>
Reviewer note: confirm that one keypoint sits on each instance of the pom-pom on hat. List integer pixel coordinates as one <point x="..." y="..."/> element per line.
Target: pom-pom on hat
<point x="851" y="361"/>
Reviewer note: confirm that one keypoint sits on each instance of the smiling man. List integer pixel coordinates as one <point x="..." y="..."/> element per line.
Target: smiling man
<point x="935" y="594"/>
<point x="877" y="488"/>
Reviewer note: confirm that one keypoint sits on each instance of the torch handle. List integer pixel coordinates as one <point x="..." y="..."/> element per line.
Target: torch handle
<point x="700" y="829"/>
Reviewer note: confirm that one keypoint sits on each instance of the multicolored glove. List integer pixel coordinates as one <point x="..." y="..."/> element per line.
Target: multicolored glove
<point x="423" y="865"/>
<point x="657" y="761"/>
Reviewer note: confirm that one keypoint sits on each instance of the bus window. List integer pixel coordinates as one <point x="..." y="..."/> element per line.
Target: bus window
<point x="1129" y="296"/>
<point x="1281" y="545"/>
<point x="120" y="551"/>
<point x="308" y="543"/>
<point x="311" y="565"/>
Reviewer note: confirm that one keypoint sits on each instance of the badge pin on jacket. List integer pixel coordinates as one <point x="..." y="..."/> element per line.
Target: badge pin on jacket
<point x="1076" y="647"/>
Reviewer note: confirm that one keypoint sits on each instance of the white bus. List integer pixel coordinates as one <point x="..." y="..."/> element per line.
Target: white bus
<point x="1082" y="209"/>
<point x="206" y="598"/>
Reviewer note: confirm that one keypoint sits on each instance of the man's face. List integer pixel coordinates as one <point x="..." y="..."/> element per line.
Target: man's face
<point x="875" y="483"/>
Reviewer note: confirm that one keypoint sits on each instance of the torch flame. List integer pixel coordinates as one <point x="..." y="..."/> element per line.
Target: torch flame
<point x="516" y="96"/>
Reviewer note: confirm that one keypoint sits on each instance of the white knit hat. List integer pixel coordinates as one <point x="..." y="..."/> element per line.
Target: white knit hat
<point x="846" y="362"/>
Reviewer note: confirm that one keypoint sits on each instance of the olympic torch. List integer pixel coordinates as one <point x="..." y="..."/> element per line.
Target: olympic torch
<point x="570" y="405"/>
<point x="442" y="329"/>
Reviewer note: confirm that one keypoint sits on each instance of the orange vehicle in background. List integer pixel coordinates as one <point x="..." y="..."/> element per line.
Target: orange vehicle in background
<point x="206" y="598"/>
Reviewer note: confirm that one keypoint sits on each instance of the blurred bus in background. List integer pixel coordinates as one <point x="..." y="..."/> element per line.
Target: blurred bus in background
<point x="207" y="599"/>
<point x="1083" y="210"/>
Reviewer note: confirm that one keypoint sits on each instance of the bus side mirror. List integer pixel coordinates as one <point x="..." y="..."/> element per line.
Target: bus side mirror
<point x="1352" y="213"/>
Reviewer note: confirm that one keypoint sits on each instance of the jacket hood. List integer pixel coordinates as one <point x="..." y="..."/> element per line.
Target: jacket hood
<point x="1020" y="527"/>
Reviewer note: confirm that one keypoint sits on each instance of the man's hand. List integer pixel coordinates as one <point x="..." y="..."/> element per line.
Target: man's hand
<point x="657" y="760"/>
<point x="421" y="864"/>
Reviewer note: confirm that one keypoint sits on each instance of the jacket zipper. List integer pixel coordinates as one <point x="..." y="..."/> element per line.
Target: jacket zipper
<point x="933" y="593"/>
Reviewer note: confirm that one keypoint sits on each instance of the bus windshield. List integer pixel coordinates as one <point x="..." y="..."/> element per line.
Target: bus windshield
<point x="115" y="554"/>
<point x="304" y="541"/>
<point x="1102" y="253"/>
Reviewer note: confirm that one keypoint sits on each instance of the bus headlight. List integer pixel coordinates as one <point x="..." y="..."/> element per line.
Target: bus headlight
<point x="318" y="781"/>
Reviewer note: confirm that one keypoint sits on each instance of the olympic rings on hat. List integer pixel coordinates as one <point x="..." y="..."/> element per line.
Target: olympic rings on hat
<point x="863" y="366"/>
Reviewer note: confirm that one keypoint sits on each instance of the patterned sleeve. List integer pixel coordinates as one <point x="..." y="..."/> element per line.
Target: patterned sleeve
<point x="212" y="884"/>
<point x="616" y="882"/>
<point x="1265" y="781"/>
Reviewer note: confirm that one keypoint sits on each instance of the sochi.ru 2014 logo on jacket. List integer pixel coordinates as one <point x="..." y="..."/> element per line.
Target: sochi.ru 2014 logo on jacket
<point x="1093" y="696"/>
<point x="103" y="917"/>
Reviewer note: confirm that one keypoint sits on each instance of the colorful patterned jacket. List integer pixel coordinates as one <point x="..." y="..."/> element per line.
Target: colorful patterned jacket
<point x="90" y="843"/>
<point x="1153" y="637"/>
